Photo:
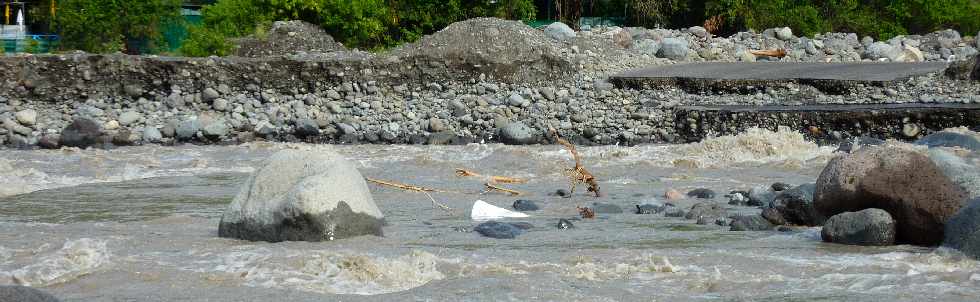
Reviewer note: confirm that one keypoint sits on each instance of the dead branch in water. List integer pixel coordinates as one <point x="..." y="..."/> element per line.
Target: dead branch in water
<point x="418" y="189"/>
<point x="778" y="53"/>
<point x="493" y="179"/>
<point x="492" y="188"/>
<point x="578" y="174"/>
<point x="585" y="212"/>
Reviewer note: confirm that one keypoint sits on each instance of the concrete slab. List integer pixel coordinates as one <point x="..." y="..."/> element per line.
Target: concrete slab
<point x="828" y="77"/>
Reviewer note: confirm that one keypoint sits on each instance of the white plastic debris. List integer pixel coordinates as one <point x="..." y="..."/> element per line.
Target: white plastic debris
<point x="485" y="211"/>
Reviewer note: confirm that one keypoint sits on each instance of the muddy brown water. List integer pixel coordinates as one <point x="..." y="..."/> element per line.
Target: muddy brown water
<point x="140" y="224"/>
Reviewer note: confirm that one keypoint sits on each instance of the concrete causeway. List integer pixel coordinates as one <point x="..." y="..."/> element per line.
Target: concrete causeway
<point x="828" y="77"/>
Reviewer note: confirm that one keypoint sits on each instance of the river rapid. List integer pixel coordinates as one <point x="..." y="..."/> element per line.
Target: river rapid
<point x="140" y="224"/>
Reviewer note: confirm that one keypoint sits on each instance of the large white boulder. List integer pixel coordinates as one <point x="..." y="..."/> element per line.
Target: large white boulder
<point x="303" y="195"/>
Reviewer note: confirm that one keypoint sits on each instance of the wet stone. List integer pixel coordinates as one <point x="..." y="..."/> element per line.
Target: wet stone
<point x="525" y="205"/>
<point x="564" y="224"/>
<point x="498" y="230"/>
<point x="701" y="193"/>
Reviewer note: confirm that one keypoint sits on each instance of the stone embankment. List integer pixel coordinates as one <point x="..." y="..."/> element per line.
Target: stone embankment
<point x="469" y="82"/>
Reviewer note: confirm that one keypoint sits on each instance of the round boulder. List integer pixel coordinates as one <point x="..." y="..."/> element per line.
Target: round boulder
<point x="905" y="183"/>
<point x="559" y="31"/>
<point x="865" y="227"/>
<point x="963" y="230"/>
<point x="674" y="48"/>
<point x="81" y="133"/>
<point x="516" y="134"/>
<point x="303" y="196"/>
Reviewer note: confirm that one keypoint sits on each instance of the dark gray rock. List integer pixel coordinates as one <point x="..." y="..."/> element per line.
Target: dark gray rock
<point x="606" y="208"/>
<point x="561" y="193"/>
<point x="706" y="209"/>
<point x="702" y="193"/>
<point x="857" y="143"/>
<point x="963" y="230"/>
<point x="796" y="206"/>
<point x="307" y="127"/>
<point x="81" y="133"/>
<point x="16" y="293"/>
<point x="498" y="230"/>
<point x="778" y="187"/>
<point x="516" y="134"/>
<point x="564" y="224"/>
<point x="950" y="139"/>
<point x="865" y="227"/>
<point x="773" y="216"/>
<point x="525" y="205"/>
<point x="49" y="141"/>
<point x="650" y="208"/>
<point x="187" y="130"/>
<point x="761" y="196"/>
<point x="750" y="223"/>
<point x="299" y="195"/>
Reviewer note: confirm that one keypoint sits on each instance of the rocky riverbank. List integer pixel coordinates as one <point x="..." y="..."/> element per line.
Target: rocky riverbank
<point x="477" y="80"/>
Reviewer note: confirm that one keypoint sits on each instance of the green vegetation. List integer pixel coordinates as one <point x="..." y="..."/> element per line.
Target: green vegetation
<point x="135" y="26"/>
<point x="368" y="24"/>
<point x="107" y="25"/>
<point x="881" y="19"/>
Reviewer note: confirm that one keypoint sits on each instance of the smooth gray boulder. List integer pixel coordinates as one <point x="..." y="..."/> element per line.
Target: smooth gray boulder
<point x="963" y="230"/>
<point x="187" y="129"/>
<point x="648" y="47"/>
<point x="303" y="195"/>
<point x="958" y="170"/>
<point x="865" y="227"/>
<point x="17" y="293"/>
<point x="152" y="135"/>
<point x="516" y="134"/>
<point x="674" y="48"/>
<point x="129" y="117"/>
<point x="784" y="33"/>
<point x="559" y="31"/>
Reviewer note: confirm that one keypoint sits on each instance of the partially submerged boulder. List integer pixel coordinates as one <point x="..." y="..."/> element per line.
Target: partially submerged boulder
<point x="963" y="230"/>
<point x="303" y="196"/>
<point x="865" y="227"/>
<point x="796" y="206"/>
<point x="82" y="133"/>
<point x="905" y="183"/>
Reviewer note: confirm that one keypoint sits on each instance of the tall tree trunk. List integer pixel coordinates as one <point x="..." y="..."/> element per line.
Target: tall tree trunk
<point x="569" y="12"/>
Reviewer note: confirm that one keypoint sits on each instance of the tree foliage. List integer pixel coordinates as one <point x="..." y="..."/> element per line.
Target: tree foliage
<point x="106" y="25"/>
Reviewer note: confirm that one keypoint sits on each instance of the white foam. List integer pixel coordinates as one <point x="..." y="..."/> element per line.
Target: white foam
<point x="326" y="271"/>
<point x="76" y="258"/>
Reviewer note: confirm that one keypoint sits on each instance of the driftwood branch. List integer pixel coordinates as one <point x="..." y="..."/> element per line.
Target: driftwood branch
<point x="492" y="188"/>
<point x="493" y="179"/>
<point x="578" y="174"/>
<point x="778" y="53"/>
<point x="412" y="188"/>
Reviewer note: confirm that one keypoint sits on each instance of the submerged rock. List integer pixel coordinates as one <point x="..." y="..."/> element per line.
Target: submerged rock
<point x="796" y="206"/>
<point x="706" y="209"/>
<point x="773" y="216"/>
<point x="303" y="196"/>
<point x="650" y="208"/>
<point x="761" y="196"/>
<point x="16" y="293"/>
<point x="564" y="224"/>
<point x="963" y="230"/>
<point x="750" y="223"/>
<point x="905" y="183"/>
<point x="606" y="208"/>
<point x="525" y="205"/>
<point x="498" y="230"/>
<point x="865" y="227"/>
<point x="950" y="139"/>
<point x="701" y="193"/>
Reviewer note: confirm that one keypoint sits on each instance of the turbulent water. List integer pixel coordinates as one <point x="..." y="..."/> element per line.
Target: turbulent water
<point x="140" y="224"/>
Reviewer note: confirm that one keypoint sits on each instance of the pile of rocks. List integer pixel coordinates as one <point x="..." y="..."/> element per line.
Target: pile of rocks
<point x="481" y="79"/>
<point x="288" y="38"/>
